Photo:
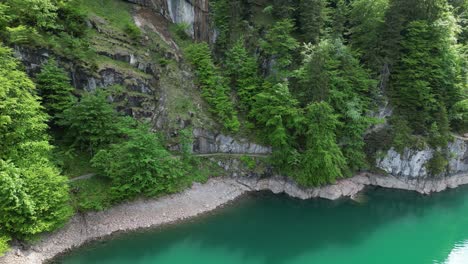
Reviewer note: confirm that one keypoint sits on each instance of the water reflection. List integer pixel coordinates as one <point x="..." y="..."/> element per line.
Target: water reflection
<point x="459" y="254"/>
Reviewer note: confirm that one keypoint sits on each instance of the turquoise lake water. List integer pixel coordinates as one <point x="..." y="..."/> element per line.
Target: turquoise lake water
<point x="385" y="227"/>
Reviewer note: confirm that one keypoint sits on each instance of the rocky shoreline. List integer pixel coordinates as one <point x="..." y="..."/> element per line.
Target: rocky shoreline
<point x="202" y="198"/>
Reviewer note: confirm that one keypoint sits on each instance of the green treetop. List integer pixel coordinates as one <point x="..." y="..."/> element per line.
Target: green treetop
<point x="54" y="88"/>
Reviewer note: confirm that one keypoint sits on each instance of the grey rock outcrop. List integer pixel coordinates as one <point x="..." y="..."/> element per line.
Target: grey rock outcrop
<point x="352" y="186"/>
<point x="409" y="164"/>
<point x="412" y="163"/>
<point x="208" y="142"/>
<point x="138" y="102"/>
<point x="194" y="13"/>
<point x="458" y="162"/>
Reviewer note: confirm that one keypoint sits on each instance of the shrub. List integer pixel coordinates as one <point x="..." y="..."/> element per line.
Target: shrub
<point x="139" y="165"/>
<point x="181" y="30"/>
<point x="4" y="244"/>
<point x="460" y="116"/>
<point x="133" y="31"/>
<point x="34" y="200"/>
<point x="249" y="162"/>
<point x="93" y="194"/>
<point x="437" y="164"/>
<point x="22" y="34"/>
<point x="91" y="123"/>
<point x="55" y="88"/>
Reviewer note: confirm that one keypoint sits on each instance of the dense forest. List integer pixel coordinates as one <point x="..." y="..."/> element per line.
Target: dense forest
<point x="311" y="78"/>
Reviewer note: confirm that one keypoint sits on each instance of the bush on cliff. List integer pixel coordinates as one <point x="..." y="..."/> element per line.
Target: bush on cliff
<point x="140" y="165"/>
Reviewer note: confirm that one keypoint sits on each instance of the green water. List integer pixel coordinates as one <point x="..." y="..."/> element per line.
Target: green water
<point x="387" y="226"/>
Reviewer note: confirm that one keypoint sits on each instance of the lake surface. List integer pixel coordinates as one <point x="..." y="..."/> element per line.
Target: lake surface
<point x="386" y="226"/>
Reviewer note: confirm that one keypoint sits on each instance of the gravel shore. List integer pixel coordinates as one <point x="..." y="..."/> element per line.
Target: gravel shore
<point x="200" y="198"/>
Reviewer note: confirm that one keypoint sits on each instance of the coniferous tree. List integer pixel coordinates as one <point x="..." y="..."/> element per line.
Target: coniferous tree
<point x="366" y="24"/>
<point x="312" y="18"/>
<point x="54" y="88"/>
<point x="331" y="73"/>
<point x="221" y="17"/>
<point x="459" y="116"/>
<point x="214" y="87"/>
<point x="279" y="45"/>
<point x="241" y="68"/>
<point x="425" y="77"/>
<point x="337" y="21"/>
<point x="322" y="162"/>
<point x="284" y="9"/>
<point x="277" y="112"/>
<point x="91" y="123"/>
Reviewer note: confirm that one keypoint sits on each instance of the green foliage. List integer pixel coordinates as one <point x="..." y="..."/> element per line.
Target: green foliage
<point x="34" y="199"/>
<point x="283" y="9"/>
<point x="249" y="162"/>
<point x="337" y="21"/>
<point x="73" y="19"/>
<point x="140" y="165"/>
<point x="181" y="30"/>
<point x="213" y="85"/>
<point x="312" y="18"/>
<point x="21" y="34"/>
<point x="117" y="13"/>
<point x="241" y="68"/>
<point x="55" y="89"/>
<point x="5" y="17"/>
<point x="425" y="80"/>
<point x="439" y="132"/>
<point x="71" y="162"/>
<point x="53" y="24"/>
<point x="221" y="17"/>
<point x="279" y="45"/>
<point x="276" y="112"/>
<point x="331" y="73"/>
<point x="93" y="194"/>
<point x="186" y="144"/>
<point x="22" y="122"/>
<point x="70" y="47"/>
<point x="4" y="246"/>
<point x="399" y="15"/>
<point x="403" y="134"/>
<point x="460" y="116"/>
<point x="91" y="123"/>
<point x="437" y="165"/>
<point x="366" y="20"/>
<point x="322" y="162"/>
<point x="35" y="13"/>
<point x="133" y="31"/>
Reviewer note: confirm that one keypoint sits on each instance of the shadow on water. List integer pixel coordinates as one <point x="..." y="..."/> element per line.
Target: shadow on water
<point x="277" y="228"/>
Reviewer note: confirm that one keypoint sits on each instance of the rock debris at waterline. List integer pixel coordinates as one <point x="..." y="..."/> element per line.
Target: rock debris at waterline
<point x="201" y="198"/>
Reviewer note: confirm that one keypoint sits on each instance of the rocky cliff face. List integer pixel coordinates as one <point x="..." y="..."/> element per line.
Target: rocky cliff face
<point x="165" y="95"/>
<point x="209" y="142"/>
<point x="412" y="163"/>
<point x="141" y="89"/>
<point x="194" y="13"/>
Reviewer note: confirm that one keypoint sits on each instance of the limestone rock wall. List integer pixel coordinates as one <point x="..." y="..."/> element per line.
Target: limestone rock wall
<point x="412" y="163"/>
<point x="208" y="142"/>
<point x="195" y="13"/>
<point x="138" y="103"/>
